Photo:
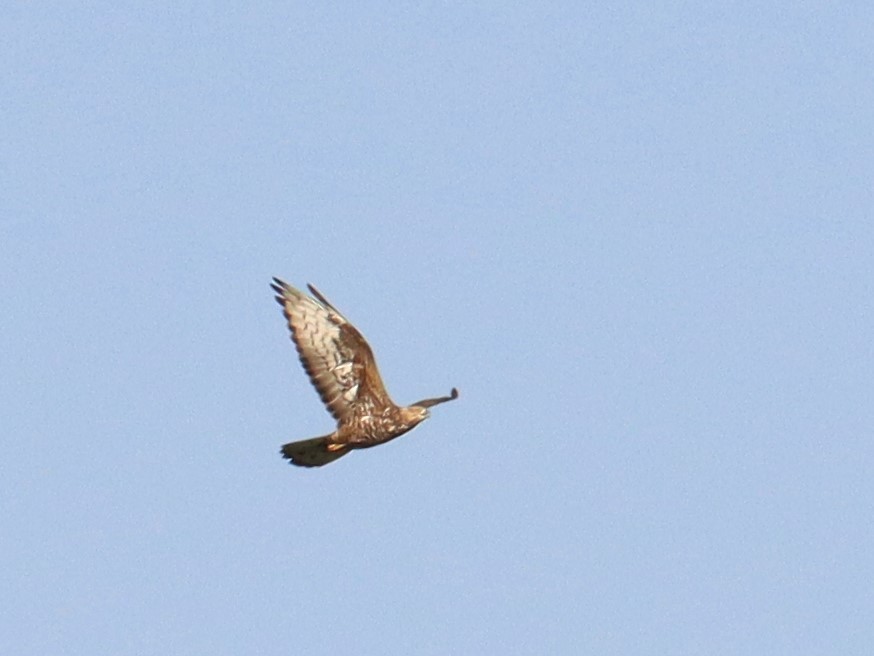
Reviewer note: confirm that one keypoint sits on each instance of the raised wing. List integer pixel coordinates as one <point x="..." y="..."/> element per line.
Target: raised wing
<point x="334" y="354"/>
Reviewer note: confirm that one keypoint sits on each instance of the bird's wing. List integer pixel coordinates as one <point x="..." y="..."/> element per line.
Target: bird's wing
<point x="429" y="403"/>
<point x="334" y="354"/>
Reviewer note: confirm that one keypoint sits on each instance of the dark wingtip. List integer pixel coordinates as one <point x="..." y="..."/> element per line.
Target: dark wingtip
<point x="430" y="403"/>
<point x="321" y="298"/>
<point x="277" y="285"/>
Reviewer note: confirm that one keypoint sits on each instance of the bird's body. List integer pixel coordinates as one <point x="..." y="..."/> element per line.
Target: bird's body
<point x="342" y="368"/>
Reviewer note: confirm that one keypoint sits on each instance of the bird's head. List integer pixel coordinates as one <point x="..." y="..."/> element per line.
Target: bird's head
<point x="416" y="414"/>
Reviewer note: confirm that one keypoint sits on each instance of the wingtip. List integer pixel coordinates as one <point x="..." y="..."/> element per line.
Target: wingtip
<point x="315" y="292"/>
<point x="277" y="285"/>
<point x="321" y="299"/>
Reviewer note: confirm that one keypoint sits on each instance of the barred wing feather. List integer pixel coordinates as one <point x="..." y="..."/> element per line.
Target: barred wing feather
<point x="334" y="354"/>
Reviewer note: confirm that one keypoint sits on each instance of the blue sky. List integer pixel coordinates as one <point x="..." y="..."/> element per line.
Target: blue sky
<point x="637" y="237"/>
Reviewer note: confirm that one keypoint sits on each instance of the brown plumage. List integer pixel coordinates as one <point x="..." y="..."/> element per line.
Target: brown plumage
<point x="342" y="368"/>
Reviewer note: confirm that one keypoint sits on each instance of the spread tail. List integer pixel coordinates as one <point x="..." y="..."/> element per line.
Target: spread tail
<point x="314" y="452"/>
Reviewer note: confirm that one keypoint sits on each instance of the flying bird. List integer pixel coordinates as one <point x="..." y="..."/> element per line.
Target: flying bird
<point x="342" y="368"/>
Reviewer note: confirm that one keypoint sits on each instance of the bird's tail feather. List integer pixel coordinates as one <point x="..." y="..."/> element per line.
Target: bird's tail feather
<point x="313" y="452"/>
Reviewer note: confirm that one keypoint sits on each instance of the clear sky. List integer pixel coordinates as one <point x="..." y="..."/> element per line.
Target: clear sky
<point x="637" y="237"/>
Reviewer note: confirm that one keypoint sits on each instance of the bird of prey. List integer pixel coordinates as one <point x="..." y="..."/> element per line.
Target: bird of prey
<point x="342" y="368"/>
